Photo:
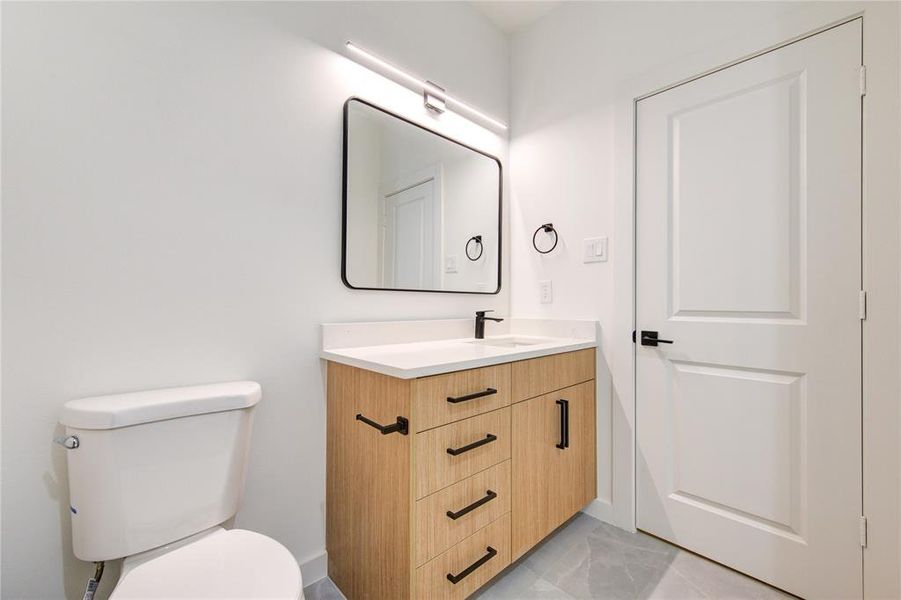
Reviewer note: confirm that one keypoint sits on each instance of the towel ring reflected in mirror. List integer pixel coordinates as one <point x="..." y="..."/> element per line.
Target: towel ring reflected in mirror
<point x="478" y="240"/>
<point x="547" y="228"/>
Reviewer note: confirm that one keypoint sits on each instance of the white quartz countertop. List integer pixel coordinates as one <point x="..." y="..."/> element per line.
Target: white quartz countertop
<point x="421" y="358"/>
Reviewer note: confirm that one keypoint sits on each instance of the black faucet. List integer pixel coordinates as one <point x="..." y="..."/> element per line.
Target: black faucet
<point x="480" y="323"/>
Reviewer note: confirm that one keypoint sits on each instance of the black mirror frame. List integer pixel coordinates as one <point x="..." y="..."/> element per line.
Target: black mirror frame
<point x="500" y="204"/>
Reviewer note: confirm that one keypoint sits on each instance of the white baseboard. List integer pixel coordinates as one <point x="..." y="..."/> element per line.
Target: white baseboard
<point x="315" y="568"/>
<point x="601" y="510"/>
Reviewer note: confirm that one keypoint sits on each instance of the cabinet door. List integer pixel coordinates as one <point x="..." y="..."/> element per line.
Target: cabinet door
<point x="552" y="483"/>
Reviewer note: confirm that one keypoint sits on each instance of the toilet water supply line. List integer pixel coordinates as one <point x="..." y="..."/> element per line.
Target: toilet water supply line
<point x="94" y="582"/>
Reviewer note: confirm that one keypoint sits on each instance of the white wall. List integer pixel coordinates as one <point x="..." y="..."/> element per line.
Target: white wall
<point x="899" y="226"/>
<point x="171" y="216"/>
<point x="574" y="75"/>
<point x="566" y="72"/>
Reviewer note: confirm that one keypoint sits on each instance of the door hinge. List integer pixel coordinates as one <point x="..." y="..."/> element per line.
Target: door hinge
<point x="863" y="305"/>
<point x="863" y="80"/>
<point x="863" y="532"/>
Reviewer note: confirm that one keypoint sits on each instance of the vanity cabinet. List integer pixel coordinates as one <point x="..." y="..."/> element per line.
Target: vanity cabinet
<point x="436" y="484"/>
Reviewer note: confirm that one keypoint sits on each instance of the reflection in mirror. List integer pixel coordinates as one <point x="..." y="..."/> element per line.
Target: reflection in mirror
<point x="421" y="211"/>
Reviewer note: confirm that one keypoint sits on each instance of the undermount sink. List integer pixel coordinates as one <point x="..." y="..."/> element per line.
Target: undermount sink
<point x="505" y="342"/>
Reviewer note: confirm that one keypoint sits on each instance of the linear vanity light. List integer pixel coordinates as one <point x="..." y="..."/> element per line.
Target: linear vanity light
<point x="434" y="95"/>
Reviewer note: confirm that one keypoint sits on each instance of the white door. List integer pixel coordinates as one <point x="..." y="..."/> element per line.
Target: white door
<point x="409" y="258"/>
<point x="748" y="259"/>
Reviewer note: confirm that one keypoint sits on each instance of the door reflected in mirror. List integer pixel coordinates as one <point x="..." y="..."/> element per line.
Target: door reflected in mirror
<point x="422" y="212"/>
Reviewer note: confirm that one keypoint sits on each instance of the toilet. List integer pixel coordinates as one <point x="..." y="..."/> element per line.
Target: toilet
<point x="152" y="478"/>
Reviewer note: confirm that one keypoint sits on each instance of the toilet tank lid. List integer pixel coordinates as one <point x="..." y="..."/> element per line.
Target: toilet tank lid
<point x="122" y="410"/>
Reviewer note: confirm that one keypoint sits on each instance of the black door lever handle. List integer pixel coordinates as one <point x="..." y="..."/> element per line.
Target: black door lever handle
<point x="649" y="338"/>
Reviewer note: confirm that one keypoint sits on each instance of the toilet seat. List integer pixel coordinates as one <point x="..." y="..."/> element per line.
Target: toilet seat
<point x="219" y="563"/>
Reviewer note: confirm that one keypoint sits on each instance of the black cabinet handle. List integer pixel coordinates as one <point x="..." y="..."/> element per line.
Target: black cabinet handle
<point x="489" y="496"/>
<point x="401" y="426"/>
<point x="649" y="338"/>
<point x="455" y="579"/>
<point x="473" y="396"/>
<point x="487" y="440"/>
<point x="564" y="424"/>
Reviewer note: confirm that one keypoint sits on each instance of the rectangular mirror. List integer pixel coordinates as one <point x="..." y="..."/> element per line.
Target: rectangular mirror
<point x="422" y="212"/>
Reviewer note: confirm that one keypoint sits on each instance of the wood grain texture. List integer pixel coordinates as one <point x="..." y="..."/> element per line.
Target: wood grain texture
<point x="368" y="499"/>
<point x="430" y="405"/>
<point x="434" y="532"/>
<point x="431" y="583"/>
<point x="434" y="468"/>
<point x="549" y="484"/>
<point x="538" y="376"/>
<point x="387" y="495"/>
<point x="339" y="524"/>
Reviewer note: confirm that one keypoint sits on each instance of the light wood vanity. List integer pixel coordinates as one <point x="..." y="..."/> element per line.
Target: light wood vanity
<point x="482" y="464"/>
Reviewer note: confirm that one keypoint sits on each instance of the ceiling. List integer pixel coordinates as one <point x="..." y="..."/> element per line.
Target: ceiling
<point x="512" y="15"/>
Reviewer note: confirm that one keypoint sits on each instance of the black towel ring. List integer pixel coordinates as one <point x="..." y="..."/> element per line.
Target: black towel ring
<point x="478" y="240"/>
<point x="548" y="228"/>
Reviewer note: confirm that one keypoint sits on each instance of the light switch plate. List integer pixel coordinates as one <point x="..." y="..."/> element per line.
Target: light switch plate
<point x="450" y="263"/>
<point x="545" y="292"/>
<point x="594" y="250"/>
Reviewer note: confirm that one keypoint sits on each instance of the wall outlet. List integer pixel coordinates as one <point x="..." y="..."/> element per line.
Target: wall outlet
<point x="450" y="263"/>
<point x="545" y="292"/>
<point x="594" y="250"/>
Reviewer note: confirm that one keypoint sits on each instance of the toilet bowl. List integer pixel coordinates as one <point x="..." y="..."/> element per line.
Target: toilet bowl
<point x="152" y="477"/>
<point x="216" y="563"/>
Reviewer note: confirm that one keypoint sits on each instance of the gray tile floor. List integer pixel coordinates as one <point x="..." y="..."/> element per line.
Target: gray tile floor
<point x="586" y="558"/>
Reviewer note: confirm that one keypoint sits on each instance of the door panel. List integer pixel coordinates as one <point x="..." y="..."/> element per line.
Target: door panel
<point x="748" y="258"/>
<point x="713" y="145"/>
<point x="551" y="484"/>
<point x="755" y="473"/>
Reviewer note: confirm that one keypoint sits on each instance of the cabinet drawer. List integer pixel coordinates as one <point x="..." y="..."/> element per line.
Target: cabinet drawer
<point x="488" y="550"/>
<point x="447" y="454"/>
<point x="447" y="398"/>
<point x="539" y="376"/>
<point x="482" y="498"/>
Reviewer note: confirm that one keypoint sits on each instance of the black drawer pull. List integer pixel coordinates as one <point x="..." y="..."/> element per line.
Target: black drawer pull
<point x="564" y="424"/>
<point x="489" y="496"/>
<point x="455" y="579"/>
<point x="473" y="396"/>
<point x="401" y="426"/>
<point x="487" y="440"/>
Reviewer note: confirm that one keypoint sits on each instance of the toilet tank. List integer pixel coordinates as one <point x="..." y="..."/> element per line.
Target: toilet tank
<point x="154" y="467"/>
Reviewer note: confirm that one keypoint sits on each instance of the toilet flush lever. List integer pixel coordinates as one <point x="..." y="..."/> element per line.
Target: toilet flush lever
<point x="70" y="442"/>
